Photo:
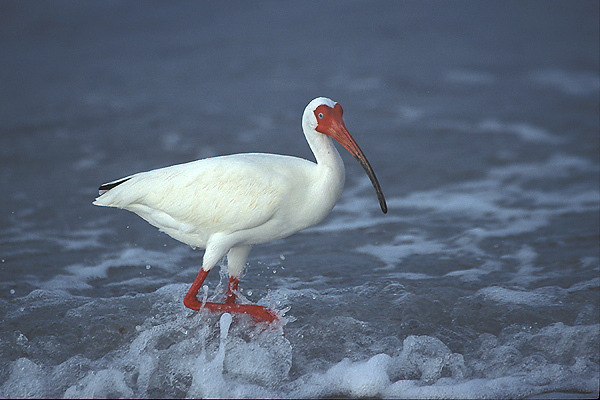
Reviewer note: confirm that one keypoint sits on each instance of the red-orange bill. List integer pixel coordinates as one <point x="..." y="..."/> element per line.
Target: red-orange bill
<point x="337" y="130"/>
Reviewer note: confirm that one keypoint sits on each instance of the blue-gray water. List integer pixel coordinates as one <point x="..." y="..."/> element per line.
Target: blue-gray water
<point x="479" y="118"/>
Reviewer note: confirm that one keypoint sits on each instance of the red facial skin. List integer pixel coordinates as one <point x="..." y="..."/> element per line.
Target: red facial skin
<point x="331" y="123"/>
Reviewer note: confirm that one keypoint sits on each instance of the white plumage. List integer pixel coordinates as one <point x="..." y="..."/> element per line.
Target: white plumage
<point x="227" y="204"/>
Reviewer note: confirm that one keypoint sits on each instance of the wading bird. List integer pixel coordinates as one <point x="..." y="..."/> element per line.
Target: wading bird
<point x="227" y="204"/>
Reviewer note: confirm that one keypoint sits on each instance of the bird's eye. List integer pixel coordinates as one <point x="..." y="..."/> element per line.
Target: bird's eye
<point x="320" y="115"/>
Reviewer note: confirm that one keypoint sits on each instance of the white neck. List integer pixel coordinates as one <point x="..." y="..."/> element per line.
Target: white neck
<point x="330" y="171"/>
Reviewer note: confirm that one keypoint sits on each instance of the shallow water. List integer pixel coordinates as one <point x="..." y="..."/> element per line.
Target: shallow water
<point x="480" y="120"/>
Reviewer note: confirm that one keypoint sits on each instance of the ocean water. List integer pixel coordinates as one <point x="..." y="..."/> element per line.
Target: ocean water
<point x="480" y="120"/>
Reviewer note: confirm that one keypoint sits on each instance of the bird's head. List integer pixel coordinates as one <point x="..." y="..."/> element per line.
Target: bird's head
<point x="324" y="116"/>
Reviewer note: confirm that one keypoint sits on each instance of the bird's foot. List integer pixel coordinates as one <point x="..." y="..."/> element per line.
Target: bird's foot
<point x="258" y="313"/>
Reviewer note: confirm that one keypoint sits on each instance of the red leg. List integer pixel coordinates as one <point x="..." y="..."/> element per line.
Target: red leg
<point x="259" y="313"/>
<point x="191" y="298"/>
<point x="234" y="283"/>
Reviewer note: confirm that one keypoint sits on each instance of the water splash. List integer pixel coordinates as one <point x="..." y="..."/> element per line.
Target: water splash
<point x="207" y="378"/>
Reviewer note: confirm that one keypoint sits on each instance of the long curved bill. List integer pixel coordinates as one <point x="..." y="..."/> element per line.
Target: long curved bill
<point x="343" y="137"/>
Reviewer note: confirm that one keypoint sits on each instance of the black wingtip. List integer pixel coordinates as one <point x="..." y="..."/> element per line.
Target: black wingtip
<point x="107" y="186"/>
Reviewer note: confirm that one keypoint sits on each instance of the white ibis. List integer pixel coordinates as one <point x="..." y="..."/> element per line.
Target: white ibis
<point x="227" y="204"/>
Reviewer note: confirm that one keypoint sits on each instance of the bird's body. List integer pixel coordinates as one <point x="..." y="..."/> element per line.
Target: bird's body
<point x="189" y="201"/>
<point x="227" y="204"/>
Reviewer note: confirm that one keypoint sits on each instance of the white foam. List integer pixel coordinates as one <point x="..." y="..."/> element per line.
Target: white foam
<point x="106" y="383"/>
<point x="580" y="83"/>
<point x="415" y="276"/>
<point x="511" y="296"/>
<point x="591" y="284"/>
<point x="402" y="247"/>
<point x="355" y="379"/>
<point x="265" y="360"/>
<point x="207" y="376"/>
<point x="26" y="380"/>
<point x="555" y="167"/>
<point x="524" y="131"/>
<point x="469" y="275"/>
<point x="176" y="353"/>
<point x="80" y="239"/>
<point x="426" y="368"/>
<point x="78" y="275"/>
<point x="527" y="272"/>
<point x="487" y="202"/>
<point x="356" y="209"/>
<point x="486" y="208"/>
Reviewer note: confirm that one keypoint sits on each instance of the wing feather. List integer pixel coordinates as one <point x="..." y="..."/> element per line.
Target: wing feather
<point x="222" y="194"/>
